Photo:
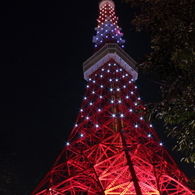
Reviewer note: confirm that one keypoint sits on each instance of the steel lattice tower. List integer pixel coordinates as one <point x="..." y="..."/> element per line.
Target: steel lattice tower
<point x="111" y="149"/>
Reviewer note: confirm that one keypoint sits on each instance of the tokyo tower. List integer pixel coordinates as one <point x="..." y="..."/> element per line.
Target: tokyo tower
<point x="111" y="150"/>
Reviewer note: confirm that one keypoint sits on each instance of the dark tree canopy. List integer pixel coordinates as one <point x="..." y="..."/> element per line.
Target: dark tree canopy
<point x="171" y="25"/>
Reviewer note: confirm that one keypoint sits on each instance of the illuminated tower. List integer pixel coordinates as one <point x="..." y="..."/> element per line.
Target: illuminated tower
<point x="111" y="149"/>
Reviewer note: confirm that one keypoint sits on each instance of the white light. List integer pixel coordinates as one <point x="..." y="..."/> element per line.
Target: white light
<point x="102" y="69"/>
<point x="118" y="89"/>
<point x="108" y="70"/>
<point x="114" y="64"/>
<point x="111" y="89"/>
<point x="160" y="143"/>
<point x="129" y="81"/>
<point x="81" y="135"/>
<point x="96" y="125"/>
<point x="87" y="118"/>
<point x="126" y="74"/>
<point x="112" y="101"/>
<point x="110" y="79"/>
<point x="67" y="143"/>
<point x="113" y="115"/>
<point x="116" y="80"/>
<point x="121" y="70"/>
<point x="76" y="125"/>
<point x="101" y="75"/>
<point x="93" y="92"/>
<point x="81" y="110"/>
<point x="124" y="86"/>
<point x="127" y="97"/>
<point x="135" y="104"/>
<point x="136" y="126"/>
<point x="132" y="92"/>
<point x="89" y="79"/>
<point x="122" y="115"/>
<point x="101" y="86"/>
<point x="119" y="101"/>
<point x="116" y="70"/>
<point x="100" y="96"/>
<point x="123" y="76"/>
<point x="150" y="125"/>
<point x="130" y="110"/>
<point x="99" y="110"/>
<point x="149" y="135"/>
<point x="109" y="64"/>
<point x="132" y="80"/>
<point x="87" y="86"/>
<point x="141" y="118"/>
<point x="135" y="87"/>
<point x="85" y="98"/>
<point x="91" y="103"/>
<point x="138" y="98"/>
<point x="93" y="81"/>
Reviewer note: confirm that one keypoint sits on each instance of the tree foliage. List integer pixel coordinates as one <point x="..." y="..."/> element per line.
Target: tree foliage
<point x="9" y="182"/>
<point x="171" y="25"/>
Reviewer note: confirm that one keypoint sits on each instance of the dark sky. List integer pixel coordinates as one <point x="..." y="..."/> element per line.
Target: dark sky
<point x="43" y="46"/>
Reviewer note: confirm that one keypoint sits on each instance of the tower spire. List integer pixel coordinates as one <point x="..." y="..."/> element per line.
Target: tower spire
<point x="107" y="30"/>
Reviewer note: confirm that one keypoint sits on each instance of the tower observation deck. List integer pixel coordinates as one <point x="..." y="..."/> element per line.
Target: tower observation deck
<point x="111" y="149"/>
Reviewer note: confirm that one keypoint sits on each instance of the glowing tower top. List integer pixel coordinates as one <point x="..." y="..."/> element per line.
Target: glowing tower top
<point x="107" y="30"/>
<point x="108" y="43"/>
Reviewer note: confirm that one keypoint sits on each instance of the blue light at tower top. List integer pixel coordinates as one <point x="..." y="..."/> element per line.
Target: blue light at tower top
<point x="107" y="30"/>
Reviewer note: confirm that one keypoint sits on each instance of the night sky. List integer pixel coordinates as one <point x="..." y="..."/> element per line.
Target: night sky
<point x="43" y="46"/>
